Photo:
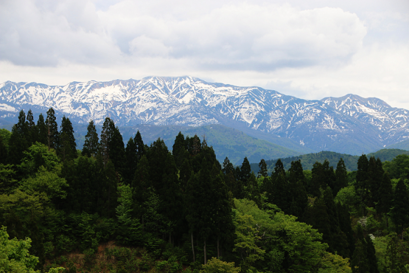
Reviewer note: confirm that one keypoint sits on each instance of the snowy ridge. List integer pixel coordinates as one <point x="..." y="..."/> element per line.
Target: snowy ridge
<point x="318" y="124"/>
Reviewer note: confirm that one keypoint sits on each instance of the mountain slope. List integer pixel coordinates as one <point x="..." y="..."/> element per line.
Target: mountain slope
<point x="349" y="124"/>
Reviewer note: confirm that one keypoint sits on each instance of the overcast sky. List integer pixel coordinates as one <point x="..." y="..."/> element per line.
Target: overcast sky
<point x="309" y="49"/>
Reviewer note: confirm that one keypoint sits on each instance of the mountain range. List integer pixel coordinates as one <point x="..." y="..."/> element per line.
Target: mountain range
<point x="349" y="124"/>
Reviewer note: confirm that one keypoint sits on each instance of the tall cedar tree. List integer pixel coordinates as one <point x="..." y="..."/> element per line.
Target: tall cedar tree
<point x="140" y="147"/>
<point x="17" y="145"/>
<point x="157" y="155"/>
<point x="385" y="197"/>
<point x="329" y="175"/>
<point x="375" y="173"/>
<point x="263" y="168"/>
<point x="400" y="208"/>
<point x="91" y="144"/>
<point x="318" y="180"/>
<point x="53" y="138"/>
<point x="130" y="162"/>
<point x="345" y="225"/>
<point x="359" y="261"/>
<point x="31" y="127"/>
<point x="3" y="152"/>
<point x="362" y="185"/>
<point x="341" y="180"/>
<point x="42" y="130"/>
<point x="338" y="242"/>
<point x="106" y="136"/>
<point x="170" y="203"/>
<point x="141" y="188"/>
<point x="185" y="172"/>
<point x="68" y="147"/>
<point x="253" y="191"/>
<point x="297" y="183"/>
<point x="179" y="148"/>
<point x="117" y="150"/>
<point x="372" y="260"/>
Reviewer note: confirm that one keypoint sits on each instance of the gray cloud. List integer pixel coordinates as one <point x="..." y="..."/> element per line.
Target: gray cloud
<point x="233" y="36"/>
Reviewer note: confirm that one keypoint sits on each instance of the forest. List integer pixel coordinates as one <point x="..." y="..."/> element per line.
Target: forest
<point x="112" y="207"/>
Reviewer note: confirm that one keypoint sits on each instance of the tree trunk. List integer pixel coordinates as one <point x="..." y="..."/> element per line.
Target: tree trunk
<point x="218" y="251"/>
<point x="193" y="248"/>
<point x="204" y="251"/>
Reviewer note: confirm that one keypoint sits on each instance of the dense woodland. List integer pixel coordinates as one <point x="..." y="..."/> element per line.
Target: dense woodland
<point x="112" y="207"/>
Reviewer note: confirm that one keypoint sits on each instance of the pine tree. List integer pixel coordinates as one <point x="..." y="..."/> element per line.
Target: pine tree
<point x="131" y="161"/>
<point x="297" y="183"/>
<point x="263" y="168"/>
<point x="253" y="191"/>
<point x="32" y="130"/>
<point x="157" y="155"/>
<point x="400" y="208"/>
<point x="359" y="261"/>
<point x="68" y="148"/>
<point x="385" y="197"/>
<point x="42" y="130"/>
<point x="375" y="173"/>
<point x="179" y="148"/>
<point x="372" y="260"/>
<point x="245" y="170"/>
<point x="106" y="135"/>
<point x="17" y="145"/>
<point x="362" y="186"/>
<point x="52" y="130"/>
<point x="117" y="150"/>
<point x="318" y="180"/>
<point x="140" y="147"/>
<point x="341" y="175"/>
<point x="91" y="144"/>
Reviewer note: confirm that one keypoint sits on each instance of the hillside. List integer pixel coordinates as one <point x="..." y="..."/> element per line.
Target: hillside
<point x="308" y="160"/>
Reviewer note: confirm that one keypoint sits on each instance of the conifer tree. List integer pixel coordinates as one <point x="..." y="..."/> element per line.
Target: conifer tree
<point x="297" y="184"/>
<point x="400" y="208"/>
<point x="372" y="260"/>
<point x="359" y="261"/>
<point x="140" y="147"/>
<point x="52" y="130"/>
<point x="341" y="175"/>
<point x="17" y="145"/>
<point x="253" y="191"/>
<point x="91" y="144"/>
<point x="278" y="168"/>
<point x="106" y="135"/>
<point x="385" y="197"/>
<point x="263" y="168"/>
<point x="3" y="152"/>
<point x="179" y="148"/>
<point x="117" y="150"/>
<point x="157" y="155"/>
<point x="42" y="130"/>
<point x="32" y="130"/>
<point x="345" y="226"/>
<point x="142" y="187"/>
<point x="131" y="161"/>
<point x="329" y="175"/>
<point x="245" y="171"/>
<point x="68" y="147"/>
<point x="281" y="193"/>
<point x="375" y="173"/>
<point x="318" y="180"/>
<point x="362" y="186"/>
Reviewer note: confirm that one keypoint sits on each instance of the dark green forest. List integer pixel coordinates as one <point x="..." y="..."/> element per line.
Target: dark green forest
<point x="116" y="207"/>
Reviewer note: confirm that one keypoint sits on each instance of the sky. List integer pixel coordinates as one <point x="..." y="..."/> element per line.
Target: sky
<point x="308" y="49"/>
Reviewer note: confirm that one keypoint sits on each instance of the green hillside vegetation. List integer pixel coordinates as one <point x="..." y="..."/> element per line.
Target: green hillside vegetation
<point x="116" y="207"/>
<point x="308" y="160"/>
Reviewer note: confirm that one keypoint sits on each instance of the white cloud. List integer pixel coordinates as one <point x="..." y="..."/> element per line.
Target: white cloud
<point x="311" y="49"/>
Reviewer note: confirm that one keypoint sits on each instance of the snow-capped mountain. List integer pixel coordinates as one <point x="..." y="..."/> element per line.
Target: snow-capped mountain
<point x="348" y="124"/>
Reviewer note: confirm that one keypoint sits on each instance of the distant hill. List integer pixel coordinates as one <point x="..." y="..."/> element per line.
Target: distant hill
<point x="308" y="160"/>
<point x="404" y="145"/>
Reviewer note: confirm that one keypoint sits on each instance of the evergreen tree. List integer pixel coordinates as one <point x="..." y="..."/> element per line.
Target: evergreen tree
<point x="91" y="144"/>
<point x="318" y="180"/>
<point x="42" y="130"/>
<point x="3" y="152"/>
<point x="372" y="260"/>
<point x="345" y="226"/>
<point x="32" y="130"/>
<point x="179" y="148"/>
<point x="359" y="261"/>
<point x="142" y="187"/>
<point x="263" y="168"/>
<point x="106" y="135"/>
<point x="52" y="130"/>
<point x="157" y="155"/>
<point x="385" y="196"/>
<point x="278" y="168"/>
<point x="400" y="208"/>
<point x="297" y="184"/>
<point x="253" y="191"/>
<point x="117" y="150"/>
<point x="362" y="185"/>
<point x="140" y="147"/>
<point x="375" y="173"/>
<point x="17" y="145"/>
<point x="281" y="193"/>
<point x="341" y="175"/>
<point x="131" y="161"/>
<point x="68" y="147"/>
<point x="245" y="171"/>
<point x="329" y="175"/>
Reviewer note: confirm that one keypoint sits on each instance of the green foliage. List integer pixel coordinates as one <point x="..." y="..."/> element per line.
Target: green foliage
<point x="333" y="263"/>
<point x="215" y="265"/>
<point x="38" y="155"/>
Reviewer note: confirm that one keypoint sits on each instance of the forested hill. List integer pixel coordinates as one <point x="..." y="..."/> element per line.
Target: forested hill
<point x="116" y="207"/>
<point x="308" y="160"/>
